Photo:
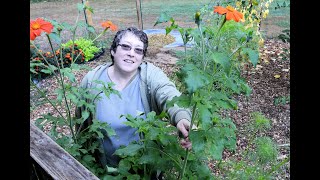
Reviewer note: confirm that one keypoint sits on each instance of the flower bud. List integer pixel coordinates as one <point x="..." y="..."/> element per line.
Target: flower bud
<point x="197" y="18"/>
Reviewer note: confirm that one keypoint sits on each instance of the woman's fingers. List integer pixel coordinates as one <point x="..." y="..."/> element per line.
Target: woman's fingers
<point x="186" y="144"/>
<point x="183" y="126"/>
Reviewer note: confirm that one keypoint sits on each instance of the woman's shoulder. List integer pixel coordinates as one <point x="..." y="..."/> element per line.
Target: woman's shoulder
<point x="95" y="72"/>
<point x="150" y="66"/>
<point x="152" y="72"/>
<point x="100" y="67"/>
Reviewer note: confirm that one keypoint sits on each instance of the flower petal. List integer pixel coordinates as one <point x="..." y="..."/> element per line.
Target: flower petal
<point x="38" y="26"/>
<point x="220" y="10"/>
<point x="47" y="27"/>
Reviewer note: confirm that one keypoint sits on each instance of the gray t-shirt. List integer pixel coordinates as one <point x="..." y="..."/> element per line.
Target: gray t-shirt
<point x="110" y="109"/>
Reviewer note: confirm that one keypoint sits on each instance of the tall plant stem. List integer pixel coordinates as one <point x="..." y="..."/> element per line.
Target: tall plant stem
<point x="73" y="38"/>
<point x="64" y="92"/>
<point x="84" y="12"/>
<point x="80" y="127"/>
<point x="187" y="150"/>
<point x="202" y="48"/>
<point x="218" y="32"/>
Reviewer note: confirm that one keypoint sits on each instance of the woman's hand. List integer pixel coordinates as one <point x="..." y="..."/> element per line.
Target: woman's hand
<point x="183" y="126"/>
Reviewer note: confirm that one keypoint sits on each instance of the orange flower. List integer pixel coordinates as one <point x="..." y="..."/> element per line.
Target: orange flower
<point x="230" y="12"/>
<point x="109" y="24"/>
<point x="38" y="26"/>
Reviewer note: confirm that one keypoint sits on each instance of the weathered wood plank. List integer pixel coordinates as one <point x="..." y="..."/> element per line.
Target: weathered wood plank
<point x="139" y="14"/>
<point x="54" y="159"/>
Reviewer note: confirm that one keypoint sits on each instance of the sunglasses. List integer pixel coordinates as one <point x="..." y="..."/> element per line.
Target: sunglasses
<point x="128" y="48"/>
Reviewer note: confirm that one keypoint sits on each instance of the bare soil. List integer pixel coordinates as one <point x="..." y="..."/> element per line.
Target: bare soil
<point x="266" y="86"/>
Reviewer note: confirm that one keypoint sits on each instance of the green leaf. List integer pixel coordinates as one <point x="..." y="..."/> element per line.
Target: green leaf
<point x="253" y="55"/>
<point x="67" y="26"/>
<point x="91" y="29"/>
<point x="90" y="9"/>
<point x="164" y="17"/>
<point x="129" y="150"/>
<point x="68" y="72"/>
<point x="80" y="7"/>
<point x="216" y="149"/>
<point x="182" y="101"/>
<point x="151" y="157"/>
<point x="195" y="78"/>
<point x="223" y="59"/>
<point x="88" y="158"/>
<point x="111" y="169"/>
<point x="85" y="115"/>
<point x="229" y="82"/>
<point x="72" y="97"/>
<point x="55" y="37"/>
<point x="205" y="115"/>
<point x="198" y="140"/>
<point x="124" y="166"/>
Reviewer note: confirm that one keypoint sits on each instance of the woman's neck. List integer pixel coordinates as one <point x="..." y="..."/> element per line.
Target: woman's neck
<point x="120" y="78"/>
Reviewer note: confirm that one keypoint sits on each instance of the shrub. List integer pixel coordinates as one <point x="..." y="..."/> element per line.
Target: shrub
<point x="86" y="45"/>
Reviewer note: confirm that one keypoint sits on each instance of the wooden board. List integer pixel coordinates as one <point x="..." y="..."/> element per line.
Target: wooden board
<point x="54" y="159"/>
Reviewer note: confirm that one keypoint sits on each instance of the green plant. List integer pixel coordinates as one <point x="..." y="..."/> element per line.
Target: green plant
<point x="62" y="65"/>
<point x="281" y="100"/>
<point x="283" y="5"/>
<point x="86" y="45"/>
<point x="259" y="159"/>
<point x="41" y="60"/>
<point x="285" y="36"/>
<point x="210" y="76"/>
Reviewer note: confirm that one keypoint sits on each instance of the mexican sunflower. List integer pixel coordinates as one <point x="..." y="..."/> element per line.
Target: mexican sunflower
<point x="38" y="26"/>
<point x="109" y="24"/>
<point x="230" y="12"/>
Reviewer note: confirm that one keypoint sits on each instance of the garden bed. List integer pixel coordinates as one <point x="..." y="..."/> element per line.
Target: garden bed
<point x="266" y="89"/>
<point x="270" y="83"/>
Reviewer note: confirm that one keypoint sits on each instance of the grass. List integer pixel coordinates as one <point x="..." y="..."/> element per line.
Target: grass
<point x="278" y="19"/>
<point x="123" y="12"/>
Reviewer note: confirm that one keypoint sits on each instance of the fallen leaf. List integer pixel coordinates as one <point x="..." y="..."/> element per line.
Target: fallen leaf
<point x="276" y="76"/>
<point x="258" y="67"/>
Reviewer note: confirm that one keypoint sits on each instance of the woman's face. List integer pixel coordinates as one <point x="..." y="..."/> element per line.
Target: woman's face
<point x="129" y="53"/>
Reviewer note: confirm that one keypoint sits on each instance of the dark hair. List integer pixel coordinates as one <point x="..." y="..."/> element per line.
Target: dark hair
<point x="139" y="33"/>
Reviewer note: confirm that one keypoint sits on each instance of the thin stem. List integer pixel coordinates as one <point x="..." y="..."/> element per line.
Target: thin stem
<point x="218" y="32"/>
<point x="167" y="155"/>
<point x="187" y="150"/>
<point x="202" y="48"/>
<point x="64" y="92"/>
<point x="78" y="131"/>
<point x="84" y="12"/>
<point x="73" y="39"/>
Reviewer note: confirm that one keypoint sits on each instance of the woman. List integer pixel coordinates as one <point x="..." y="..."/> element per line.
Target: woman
<point x="143" y="88"/>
